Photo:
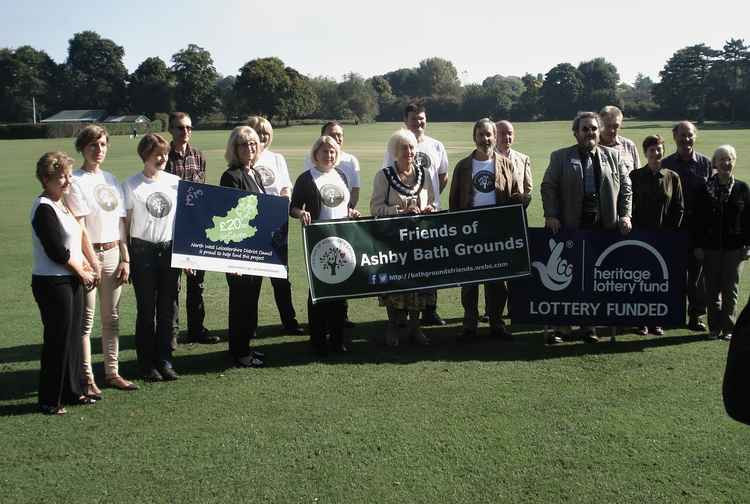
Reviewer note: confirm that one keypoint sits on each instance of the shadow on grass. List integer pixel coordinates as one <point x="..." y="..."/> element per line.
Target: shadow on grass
<point x="367" y="347"/>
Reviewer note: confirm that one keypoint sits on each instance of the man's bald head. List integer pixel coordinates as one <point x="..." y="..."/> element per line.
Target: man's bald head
<point x="685" y="133"/>
<point x="505" y="135"/>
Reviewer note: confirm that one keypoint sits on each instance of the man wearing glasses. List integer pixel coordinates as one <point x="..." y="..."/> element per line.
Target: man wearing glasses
<point x="188" y="163"/>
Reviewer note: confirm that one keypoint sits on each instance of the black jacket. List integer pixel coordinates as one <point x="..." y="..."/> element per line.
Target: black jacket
<point x="237" y="177"/>
<point x="720" y="225"/>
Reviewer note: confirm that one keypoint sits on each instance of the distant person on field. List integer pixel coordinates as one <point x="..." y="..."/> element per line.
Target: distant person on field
<point x="484" y="178"/>
<point x="657" y="198"/>
<point x="694" y="170"/>
<point x="188" y="163"/>
<point x="586" y="186"/>
<point x="403" y="188"/>
<point x="431" y="156"/>
<point x="610" y="118"/>
<point x="721" y="231"/>
<point x="273" y="171"/>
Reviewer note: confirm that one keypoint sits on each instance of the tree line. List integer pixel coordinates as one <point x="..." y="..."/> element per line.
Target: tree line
<point x="697" y="82"/>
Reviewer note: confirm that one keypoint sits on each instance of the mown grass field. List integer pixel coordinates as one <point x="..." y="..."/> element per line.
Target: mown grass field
<point x="640" y="420"/>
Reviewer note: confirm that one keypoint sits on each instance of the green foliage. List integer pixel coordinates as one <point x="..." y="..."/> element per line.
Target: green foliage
<point x="195" y="76"/>
<point x="260" y="86"/>
<point x="163" y="119"/>
<point x="151" y="88"/>
<point x="682" y="89"/>
<point x="437" y="77"/>
<point x="26" y="73"/>
<point x="600" y="80"/>
<point x="562" y="91"/>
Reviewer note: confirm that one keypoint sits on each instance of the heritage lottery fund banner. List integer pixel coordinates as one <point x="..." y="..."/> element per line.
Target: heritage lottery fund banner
<point x="603" y="277"/>
<point x="229" y="230"/>
<point x="367" y="257"/>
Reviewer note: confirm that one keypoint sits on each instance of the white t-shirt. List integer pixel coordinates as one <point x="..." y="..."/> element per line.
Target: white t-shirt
<point x="347" y="164"/>
<point x="273" y="172"/>
<point x="153" y="202"/>
<point x="430" y="155"/>
<point x="99" y="199"/>
<point x="334" y="194"/>
<point x="71" y="236"/>
<point x="483" y="180"/>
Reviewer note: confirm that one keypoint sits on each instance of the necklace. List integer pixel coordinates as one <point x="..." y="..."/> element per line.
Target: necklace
<point x="401" y="187"/>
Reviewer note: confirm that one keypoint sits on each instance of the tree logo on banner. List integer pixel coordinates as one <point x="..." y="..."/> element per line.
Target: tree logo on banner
<point x="333" y="260"/>
<point x="557" y="274"/>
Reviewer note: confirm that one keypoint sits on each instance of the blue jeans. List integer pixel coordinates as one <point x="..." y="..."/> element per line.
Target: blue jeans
<point x="156" y="286"/>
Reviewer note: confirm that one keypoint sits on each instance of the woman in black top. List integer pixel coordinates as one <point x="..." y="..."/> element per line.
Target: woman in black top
<point x="59" y="275"/>
<point x="244" y="290"/>
<point x="721" y="232"/>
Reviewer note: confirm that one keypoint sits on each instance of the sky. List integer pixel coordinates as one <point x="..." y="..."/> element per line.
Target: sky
<point x="371" y="38"/>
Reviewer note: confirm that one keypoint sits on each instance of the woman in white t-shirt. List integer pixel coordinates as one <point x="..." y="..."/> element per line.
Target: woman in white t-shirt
<point x="404" y="188"/>
<point x="322" y="193"/>
<point x="150" y="200"/>
<point x="97" y="202"/>
<point x="59" y="276"/>
<point x="273" y="171"/>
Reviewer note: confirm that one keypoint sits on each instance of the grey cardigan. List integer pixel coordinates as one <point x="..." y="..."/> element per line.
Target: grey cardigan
<point x="562" y="187"/>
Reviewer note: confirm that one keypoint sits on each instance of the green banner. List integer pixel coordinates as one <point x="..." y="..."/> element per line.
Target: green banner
<point x="367" y="257"/>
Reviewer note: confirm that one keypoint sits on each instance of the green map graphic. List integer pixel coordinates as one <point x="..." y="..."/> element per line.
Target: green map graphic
<point x="235" y="227"/>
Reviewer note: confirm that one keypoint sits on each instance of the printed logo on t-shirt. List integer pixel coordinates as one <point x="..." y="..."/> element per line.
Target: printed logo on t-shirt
<point x="158" y="205"/>
<point x="422" y="160"/>
<point x="106" y="197"/>
<point x="484" y="181"/>
<point x="331" y="195"/>
<point x="267" y="177"/>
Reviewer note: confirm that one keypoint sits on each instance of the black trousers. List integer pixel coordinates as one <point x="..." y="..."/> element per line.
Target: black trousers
<point x="244" y="291"/>
<point x="696" y="286"/>
<point x="326" y="317"/>
<point x="194" y="305"/>
<point x="156" y="286"/>
<point x="60" y="301"/>
<point x="282" y="294"/>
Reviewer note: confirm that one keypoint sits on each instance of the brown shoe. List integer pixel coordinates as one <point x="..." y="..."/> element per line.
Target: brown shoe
<point x="120" y="383"/>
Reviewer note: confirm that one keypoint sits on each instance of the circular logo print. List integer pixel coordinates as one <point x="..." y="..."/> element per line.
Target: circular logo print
<point x="106" y="197"/>
<point x="332" y="195"/>
<point x="422" y="160"/>
<point x="158" y="205"/>
<point x="332" y="260"/>
<point x="267" y="177"/>
<point x="484" y="181"/>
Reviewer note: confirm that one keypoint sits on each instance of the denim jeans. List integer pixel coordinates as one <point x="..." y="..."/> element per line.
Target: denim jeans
<point x="156" y="288"/>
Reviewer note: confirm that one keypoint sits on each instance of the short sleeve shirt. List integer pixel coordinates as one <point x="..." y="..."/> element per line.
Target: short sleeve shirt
<point x="153" y="204"/>
<point x="347" y="164"/>
<point x="273" y="172"/>
<point x="334" y="194"/>
<point x="98" y="198"/>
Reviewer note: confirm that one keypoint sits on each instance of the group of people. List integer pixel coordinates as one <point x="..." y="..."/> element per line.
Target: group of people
<point x="91" y="234"/>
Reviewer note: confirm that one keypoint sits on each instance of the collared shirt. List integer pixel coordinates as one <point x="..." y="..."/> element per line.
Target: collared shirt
<point x="191" y="166"/>
<point x="628" y="152"/>
<point x="657" y="199"/>
<point x="693" y="175"/>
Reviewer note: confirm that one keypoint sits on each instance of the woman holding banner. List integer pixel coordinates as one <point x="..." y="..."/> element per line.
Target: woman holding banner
<point x="657" y="198"/>
<point x="243" y="149"/>
<point x="151" y="200"/>
<point x="721" y="230"/>
<point x="310" y="203"/>
<point x="403" y="189"/>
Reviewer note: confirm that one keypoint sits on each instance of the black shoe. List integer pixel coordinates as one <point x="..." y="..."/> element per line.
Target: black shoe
<point x="590" y="337"/>
<point x="293" y="329"/>
<point x="431" y="318"/>
<point x="467" y="336"/>
<point x="249" y="361"/>
<point x="349" y="324"/>
<point x="484" y="319"/>
<point x="555" y="338"/>
<point x="204" y="337"/>
<point x="501" y="333"/>
<point x="697" y="325"/>
<point x="169" y="374"/>
<point x="152" y="375"/>
<point x="320" y="348"/>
